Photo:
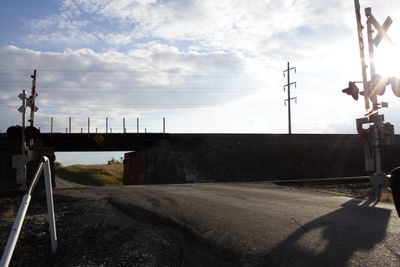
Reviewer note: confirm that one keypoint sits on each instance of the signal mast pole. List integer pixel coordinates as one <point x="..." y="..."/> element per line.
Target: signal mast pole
<point x="362" y="54"/>
<point x="372" y="88"/>
<point x="33" y="97"/>
<point x="289" y="99"/>
<point x="378" y="159"/>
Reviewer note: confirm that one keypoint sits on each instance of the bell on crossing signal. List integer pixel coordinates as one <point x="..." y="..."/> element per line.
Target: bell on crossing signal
<point x="395" y="83"/>
<point x="352" y="90"/>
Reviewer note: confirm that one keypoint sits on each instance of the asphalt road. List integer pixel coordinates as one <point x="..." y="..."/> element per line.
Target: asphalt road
<point x="264" y="224"/>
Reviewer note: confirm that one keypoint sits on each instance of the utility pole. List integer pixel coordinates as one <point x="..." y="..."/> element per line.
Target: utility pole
<point x="289" y="99"/>
<point x="123" y="125"/>
<point x="163" y="125"/>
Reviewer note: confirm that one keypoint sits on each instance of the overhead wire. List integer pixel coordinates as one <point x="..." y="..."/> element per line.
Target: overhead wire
<point x="134" y="89"/>
<point x="130" y="71"/>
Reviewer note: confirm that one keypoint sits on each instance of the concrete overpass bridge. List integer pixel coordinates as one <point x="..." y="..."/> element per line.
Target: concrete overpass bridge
<point x="179" y="158"/>
<point x="74" y="142"/>
<point x="101" y="142"/>
<point x="49" y="143"/>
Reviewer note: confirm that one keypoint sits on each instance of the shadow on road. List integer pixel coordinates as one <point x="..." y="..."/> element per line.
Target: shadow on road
<point x="356" y="226"/>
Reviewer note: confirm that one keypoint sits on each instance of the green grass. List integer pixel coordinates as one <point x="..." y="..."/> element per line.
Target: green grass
<point x="97" y="175"/>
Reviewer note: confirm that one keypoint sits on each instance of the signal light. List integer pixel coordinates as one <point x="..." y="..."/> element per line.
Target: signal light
<point x="31" y="132"/>
<point x="377" y="85"/>
<point x="15" y="132"/>
<point x="395" y="83"/>
<point x="352" y="90"/>
<point x="388" y="129"/>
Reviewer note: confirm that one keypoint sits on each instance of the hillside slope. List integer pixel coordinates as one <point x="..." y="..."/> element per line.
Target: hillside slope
<point x="97" y="175"/>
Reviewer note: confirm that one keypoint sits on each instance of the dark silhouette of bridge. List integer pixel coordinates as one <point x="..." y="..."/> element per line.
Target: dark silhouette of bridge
<point x="63" y="142"/>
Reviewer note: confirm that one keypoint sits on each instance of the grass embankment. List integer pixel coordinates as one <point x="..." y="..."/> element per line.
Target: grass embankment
<point x="97" y="175"/>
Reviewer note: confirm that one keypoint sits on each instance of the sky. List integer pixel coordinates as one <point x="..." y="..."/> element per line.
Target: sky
<point x="205" y="66"/>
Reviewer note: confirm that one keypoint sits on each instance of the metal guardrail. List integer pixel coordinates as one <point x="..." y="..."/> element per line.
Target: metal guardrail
<point x="19" y="220"/>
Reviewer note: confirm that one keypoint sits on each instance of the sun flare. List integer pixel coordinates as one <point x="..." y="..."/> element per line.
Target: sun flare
<point x="387" y="60"/>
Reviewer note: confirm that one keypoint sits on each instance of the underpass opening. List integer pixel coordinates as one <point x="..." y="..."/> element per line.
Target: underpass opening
<point x="103" y="168"/>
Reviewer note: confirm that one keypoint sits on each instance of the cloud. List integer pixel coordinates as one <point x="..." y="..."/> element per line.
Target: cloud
<point x="227" y="24"/>
<point x="267" y="28"/>
<point x="154" y="76"/>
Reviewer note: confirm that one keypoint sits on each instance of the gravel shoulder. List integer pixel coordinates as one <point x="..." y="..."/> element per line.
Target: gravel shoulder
<point x="357" y="190"/>
<point x="93" y="232"/>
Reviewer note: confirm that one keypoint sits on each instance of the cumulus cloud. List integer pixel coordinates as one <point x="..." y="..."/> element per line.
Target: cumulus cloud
<point x="225" y="24"/>
<point x="112" y="83"/>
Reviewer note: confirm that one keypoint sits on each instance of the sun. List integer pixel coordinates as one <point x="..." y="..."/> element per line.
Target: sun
<point x="387" y="60"/>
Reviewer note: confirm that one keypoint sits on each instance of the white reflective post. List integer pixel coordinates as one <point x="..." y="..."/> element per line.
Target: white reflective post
<point x="19" y="220"/>
<point x="50" y="204"/>
<point x="13" y="238"/>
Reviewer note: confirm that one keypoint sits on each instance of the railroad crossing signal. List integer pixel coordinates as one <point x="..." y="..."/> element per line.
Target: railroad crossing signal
<point x="28" y="102"/>
<point x="22" y="96"/>
<point x="377" y="84"/>
<point x="378" y="133"/>
<point x="382" y="31"/>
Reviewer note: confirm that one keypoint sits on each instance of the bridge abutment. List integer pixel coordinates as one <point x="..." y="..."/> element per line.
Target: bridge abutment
<point x="250" y="157"/>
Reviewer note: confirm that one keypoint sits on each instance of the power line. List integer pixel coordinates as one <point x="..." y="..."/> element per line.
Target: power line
<point x="117" y="105"/>
<point x="166" y="71"/>
<point x="140" y="89"/>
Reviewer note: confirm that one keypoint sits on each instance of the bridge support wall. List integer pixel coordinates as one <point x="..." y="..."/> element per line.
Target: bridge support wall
<point x="250" y="157"/>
